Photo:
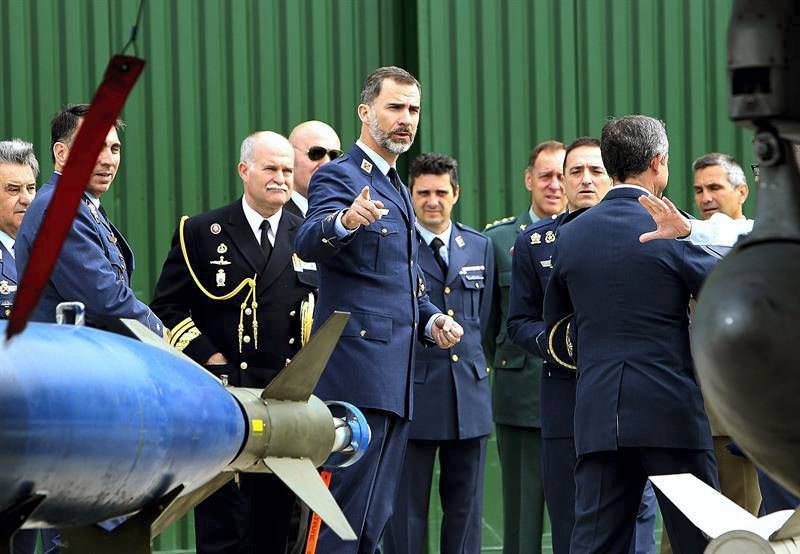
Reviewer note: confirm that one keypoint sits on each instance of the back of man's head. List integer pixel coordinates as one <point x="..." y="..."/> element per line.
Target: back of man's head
<point x="433" y="164"/>
<point x="628" y="145"/>
<point x="372" y="84"/>
<point x="64" y="123"/>
<point x="19" y="152"/>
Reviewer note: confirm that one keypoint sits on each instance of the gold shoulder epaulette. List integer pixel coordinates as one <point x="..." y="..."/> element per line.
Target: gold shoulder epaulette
<point x="497" y="222"/>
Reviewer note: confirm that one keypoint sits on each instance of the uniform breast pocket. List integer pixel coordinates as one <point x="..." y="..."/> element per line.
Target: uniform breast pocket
<point x="473" y="279"/>
<point x="382" y="247"/>
<point x="369" y="326"/>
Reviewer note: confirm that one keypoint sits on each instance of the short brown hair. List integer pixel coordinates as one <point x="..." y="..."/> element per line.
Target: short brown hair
<point x="374" y="81"/>
<point x="434" y="164"/>
<point x="546" y="146"/>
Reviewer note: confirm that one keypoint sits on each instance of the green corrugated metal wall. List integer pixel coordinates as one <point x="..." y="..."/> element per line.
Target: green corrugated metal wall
<point x="498" y="77"/>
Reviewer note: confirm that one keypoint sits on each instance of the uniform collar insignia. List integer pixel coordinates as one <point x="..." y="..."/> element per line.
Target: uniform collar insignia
<point x="366" y="165"/>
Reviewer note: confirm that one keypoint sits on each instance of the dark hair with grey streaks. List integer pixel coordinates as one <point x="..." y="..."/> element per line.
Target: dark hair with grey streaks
<point x="628" y="145"/>
<point x="434" y="164"/>
<point x="374" y="82"/>
<point x="18" y="152"/>
<point x="733" y="171"/>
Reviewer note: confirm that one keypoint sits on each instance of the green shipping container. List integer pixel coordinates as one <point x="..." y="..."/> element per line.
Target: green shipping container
<point x="498" y="77"/>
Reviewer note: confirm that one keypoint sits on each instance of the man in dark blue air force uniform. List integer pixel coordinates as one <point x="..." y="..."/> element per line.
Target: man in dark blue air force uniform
<point x="360" y="232"/>
<point x="586" y="183"/>
<point x="638" y="407"/>
<point x="96" y="263"/>
<point x="452" y="397"/>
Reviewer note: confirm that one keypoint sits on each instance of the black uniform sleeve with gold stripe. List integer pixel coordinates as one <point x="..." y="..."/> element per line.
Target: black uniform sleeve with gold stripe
<point x="172" y="301"/>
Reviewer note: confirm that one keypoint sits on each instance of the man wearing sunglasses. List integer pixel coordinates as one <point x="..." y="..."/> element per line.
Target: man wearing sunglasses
<point x="315" y="143"/>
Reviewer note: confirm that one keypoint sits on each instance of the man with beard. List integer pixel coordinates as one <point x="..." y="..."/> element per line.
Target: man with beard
<point x="231" y="290"/>
<point x="360" y="232"/>
<point x="586" y="183"/>
<point x="622" y="307"/>
<point x="315" y="143"/>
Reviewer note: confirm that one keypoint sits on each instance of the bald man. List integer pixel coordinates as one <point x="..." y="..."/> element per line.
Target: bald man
<point x="315" y="143"/>
<point x="224" y="247"/>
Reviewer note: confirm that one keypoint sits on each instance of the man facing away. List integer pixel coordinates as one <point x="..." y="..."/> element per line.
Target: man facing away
<point x="586" y="182"/>
<point x="638" y="408"/>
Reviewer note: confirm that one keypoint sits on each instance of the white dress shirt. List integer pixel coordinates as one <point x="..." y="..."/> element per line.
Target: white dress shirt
<point x="254" y="219"/>
<point x="719" y="230"/>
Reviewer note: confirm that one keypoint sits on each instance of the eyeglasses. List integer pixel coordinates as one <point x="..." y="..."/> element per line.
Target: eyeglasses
<point x="754" y="167"/>
<point x="316" y="153"/>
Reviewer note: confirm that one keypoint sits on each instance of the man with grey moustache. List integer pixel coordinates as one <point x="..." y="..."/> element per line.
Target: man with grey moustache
<point x="207" y="294"/>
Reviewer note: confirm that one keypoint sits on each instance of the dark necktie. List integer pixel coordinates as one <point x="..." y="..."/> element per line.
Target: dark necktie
<point x="266" y="246"/>
<point x="394" y="178"/>
<point x="436" y="245"/>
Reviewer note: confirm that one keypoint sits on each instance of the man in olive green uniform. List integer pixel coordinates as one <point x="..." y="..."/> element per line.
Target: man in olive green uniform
<point x="516" y="379"/>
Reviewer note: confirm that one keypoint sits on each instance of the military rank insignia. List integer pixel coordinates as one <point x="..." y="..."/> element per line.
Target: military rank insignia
<point x="536" y="238"/>
<point x="366" y="166"/>
<point x="460" y="241"/>
<point x="549" y="237"/>
<point x="221" y="277"/>
<point x="6" y="287"/>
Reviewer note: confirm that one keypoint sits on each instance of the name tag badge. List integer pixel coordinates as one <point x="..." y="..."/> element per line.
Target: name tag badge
<point x="301" y="266"/>
<point x="473" y="272"/>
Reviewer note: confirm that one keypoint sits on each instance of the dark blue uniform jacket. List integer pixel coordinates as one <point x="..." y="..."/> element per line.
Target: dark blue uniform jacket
<point x="636" y="384"/>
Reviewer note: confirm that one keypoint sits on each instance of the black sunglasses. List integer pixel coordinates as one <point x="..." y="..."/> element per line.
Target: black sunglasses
<point x="316" y="153"/>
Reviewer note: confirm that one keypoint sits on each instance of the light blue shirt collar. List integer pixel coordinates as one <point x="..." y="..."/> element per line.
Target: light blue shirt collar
<point x="428" y="237"/>
<point x="8" y="242"/>
<point x="376" y="158"/>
